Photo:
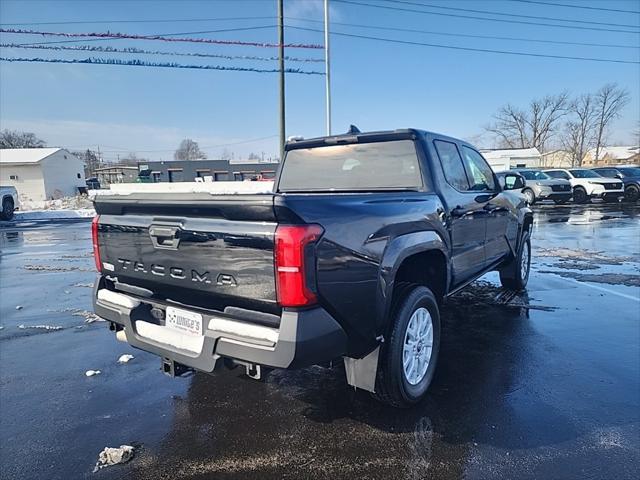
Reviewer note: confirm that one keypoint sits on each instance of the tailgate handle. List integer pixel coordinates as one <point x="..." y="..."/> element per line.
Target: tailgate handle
<point x="164" y="236"/>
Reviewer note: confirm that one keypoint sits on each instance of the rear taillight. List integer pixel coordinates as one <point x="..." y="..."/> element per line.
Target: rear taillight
<point x="96" y="247"/>
<point x="294" y="263"/>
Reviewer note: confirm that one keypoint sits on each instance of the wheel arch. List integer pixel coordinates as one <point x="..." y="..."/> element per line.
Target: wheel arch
<point x="421" y="258"/>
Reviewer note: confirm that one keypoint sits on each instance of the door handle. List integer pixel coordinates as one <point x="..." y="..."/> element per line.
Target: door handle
<point x="165" y="236"/>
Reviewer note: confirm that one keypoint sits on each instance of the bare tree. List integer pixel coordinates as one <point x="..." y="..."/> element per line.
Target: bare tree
<point x="91" y="160"/>
<point x="534" y="127"/>
<point x="225" y="155"/>
<point x="16" y="139"/>
<point x="609" y="101"/>
<point x="577" y="137"/>
<point x="131" y="159"/>
<point x="189" y="150"/>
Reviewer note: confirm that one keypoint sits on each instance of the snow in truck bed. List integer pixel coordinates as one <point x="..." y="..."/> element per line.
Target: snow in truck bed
<point x="216" y="188"/>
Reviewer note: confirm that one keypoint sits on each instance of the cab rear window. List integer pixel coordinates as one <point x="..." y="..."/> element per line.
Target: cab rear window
<point x="360" y="166"/>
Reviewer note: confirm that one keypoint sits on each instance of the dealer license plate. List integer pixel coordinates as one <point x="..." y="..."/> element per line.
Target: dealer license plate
<point x="184" y="321"/>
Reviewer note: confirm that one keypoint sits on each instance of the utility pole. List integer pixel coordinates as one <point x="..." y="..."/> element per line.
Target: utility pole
<point x="327" y="67"/>
<point x="281" y="62"/>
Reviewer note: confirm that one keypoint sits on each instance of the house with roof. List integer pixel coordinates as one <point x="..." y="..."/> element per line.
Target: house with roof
<point x="505" y="159"/>
<point x="41" y="173"/>
<point x="629" y="155"/>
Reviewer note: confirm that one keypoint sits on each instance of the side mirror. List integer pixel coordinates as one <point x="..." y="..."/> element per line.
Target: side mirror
<point x="512" y="182"/>
<point x="619" y="175"/>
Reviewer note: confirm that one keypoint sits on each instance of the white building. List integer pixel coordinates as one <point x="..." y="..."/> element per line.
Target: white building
<point x="505" y="159"/>
<point x="41" y="173"/>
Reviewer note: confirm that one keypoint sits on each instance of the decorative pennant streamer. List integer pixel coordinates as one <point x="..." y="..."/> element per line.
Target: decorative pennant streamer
<point x="92" y="48"/>
<point x="141" y="63"/>
<point x="160" y="38"/>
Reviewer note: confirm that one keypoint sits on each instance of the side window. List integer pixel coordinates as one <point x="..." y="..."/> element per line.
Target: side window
<point x="558" y="174"/>
<point x="452" y="165"/>
<point x="479" y="172"/>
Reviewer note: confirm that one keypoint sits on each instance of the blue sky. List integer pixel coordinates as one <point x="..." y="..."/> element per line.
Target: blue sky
<point x="376" y="85"/>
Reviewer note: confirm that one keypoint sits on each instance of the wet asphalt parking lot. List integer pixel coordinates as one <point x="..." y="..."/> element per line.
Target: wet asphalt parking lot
<point x="545" y="384"/>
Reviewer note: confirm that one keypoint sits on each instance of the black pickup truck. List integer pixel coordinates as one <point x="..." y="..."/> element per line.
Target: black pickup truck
<point x="350" y="255"/>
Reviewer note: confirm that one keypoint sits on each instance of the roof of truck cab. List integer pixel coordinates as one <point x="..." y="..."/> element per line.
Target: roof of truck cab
<point x="346" y="138"/>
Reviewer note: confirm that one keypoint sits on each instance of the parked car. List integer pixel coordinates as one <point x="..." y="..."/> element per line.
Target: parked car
<point x="630" y="176"/>
<point x="351" y="255"/>
<point x="587" y="184"/>
<point x="9" y="202"/>
<point x="93" y="183"/>
<point x="540" y="186"/>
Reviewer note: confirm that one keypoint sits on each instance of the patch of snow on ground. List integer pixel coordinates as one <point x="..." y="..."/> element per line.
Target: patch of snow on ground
<point x="40" y="327"/>
<point x="114" y="456"/>
<point x="125" y="358"/>
<point x="91" y="373"/>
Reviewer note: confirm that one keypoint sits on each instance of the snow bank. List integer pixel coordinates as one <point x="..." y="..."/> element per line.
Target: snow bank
<point x="80" y="206"/>
<point x="54" y="214"/>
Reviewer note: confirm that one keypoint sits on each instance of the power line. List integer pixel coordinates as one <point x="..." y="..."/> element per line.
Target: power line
<point x="502" y="14"/>
<point x="470" y="49"/>
<point x="141" y="63"/>
<point x="522" y="22"/>
<point x="466" y="35"/>
<point x="100" y="49"/>
<point x="164" y="38"/>
<point x="87" y="22"/>
<point x="551" y="4"/>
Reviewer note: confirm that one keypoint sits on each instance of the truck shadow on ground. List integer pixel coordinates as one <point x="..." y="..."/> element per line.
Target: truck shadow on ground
<point x="490" y="389"/>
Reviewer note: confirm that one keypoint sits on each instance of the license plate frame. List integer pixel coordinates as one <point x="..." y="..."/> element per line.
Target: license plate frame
<point x="184" y="321"/>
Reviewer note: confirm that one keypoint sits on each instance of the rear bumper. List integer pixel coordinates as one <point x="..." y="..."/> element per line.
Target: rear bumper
<point x="304" y="337"/>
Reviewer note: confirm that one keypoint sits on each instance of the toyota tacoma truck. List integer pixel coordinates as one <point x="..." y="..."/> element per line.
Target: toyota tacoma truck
<point x="349" y="256"/>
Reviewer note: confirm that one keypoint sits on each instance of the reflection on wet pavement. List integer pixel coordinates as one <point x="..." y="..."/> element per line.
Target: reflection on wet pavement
<point x="543" y="384"/>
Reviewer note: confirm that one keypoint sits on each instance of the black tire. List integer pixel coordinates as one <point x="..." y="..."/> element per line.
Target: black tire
<point x="631" y="193"/>
<point x="7" y="209"/>
<point x="513" y="276"/>
<point x="529" y="196"/>
<point x="580" y="195"/>
<point x="392" y="385"/>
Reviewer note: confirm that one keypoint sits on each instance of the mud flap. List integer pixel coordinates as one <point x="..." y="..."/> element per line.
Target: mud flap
<point x="361" y="372"/>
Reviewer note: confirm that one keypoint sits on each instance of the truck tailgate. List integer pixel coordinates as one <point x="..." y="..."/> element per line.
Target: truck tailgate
<point x="196" y="248"/>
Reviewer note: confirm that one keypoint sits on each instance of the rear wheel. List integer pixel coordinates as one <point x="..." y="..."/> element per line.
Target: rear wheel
<point x="7" y="209"/>
<point x="631" y="193"/>
<point x="515" y="275"/>
<point x="580" y="195"/>
<point x="529" y="196"/>
<point x="409" y="354"/>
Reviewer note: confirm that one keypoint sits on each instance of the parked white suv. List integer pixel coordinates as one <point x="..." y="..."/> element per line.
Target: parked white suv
<point x="587" y="184"/>
<point x="8" y="202"/>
